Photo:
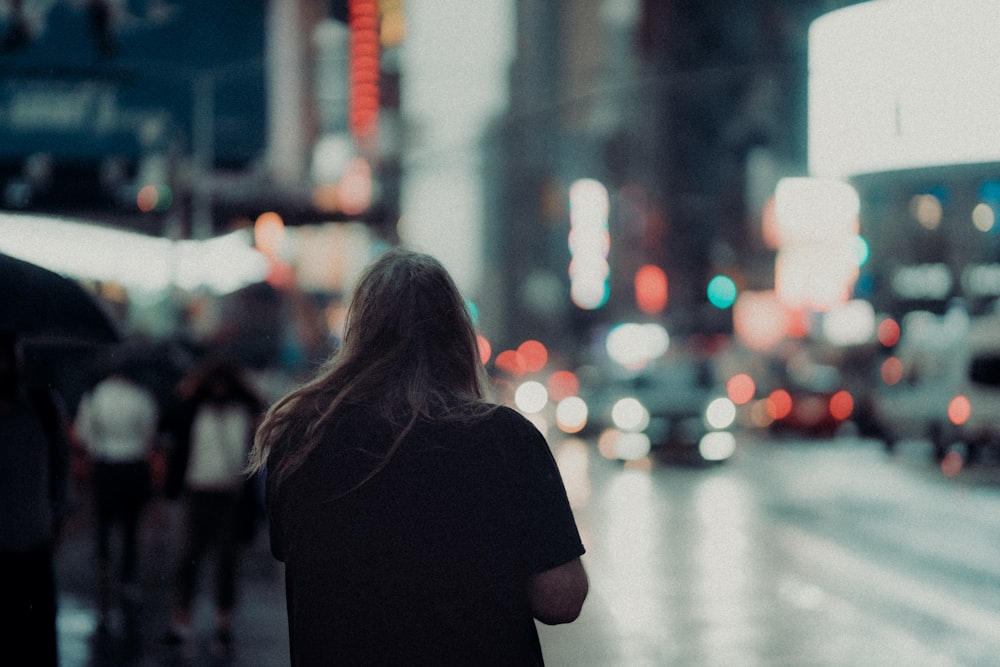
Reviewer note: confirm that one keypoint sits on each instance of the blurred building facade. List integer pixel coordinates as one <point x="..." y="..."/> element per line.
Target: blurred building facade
<point x="221" y="110"/>
<point x="688" y="113"/>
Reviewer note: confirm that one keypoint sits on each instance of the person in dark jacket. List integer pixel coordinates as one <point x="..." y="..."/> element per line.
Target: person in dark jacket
<point x="34" y="468"/>
<point x="419" y="523"/>
<point x="212" y="429"/>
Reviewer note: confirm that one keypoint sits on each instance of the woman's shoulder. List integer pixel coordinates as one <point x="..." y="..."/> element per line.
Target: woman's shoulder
<point x="504" y="418"/>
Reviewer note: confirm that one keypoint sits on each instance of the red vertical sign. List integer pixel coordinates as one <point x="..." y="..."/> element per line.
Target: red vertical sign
<point x="364" y="69"/>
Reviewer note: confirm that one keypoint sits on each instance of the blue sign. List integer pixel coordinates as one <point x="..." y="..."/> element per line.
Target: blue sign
<point x="88" y="81"/>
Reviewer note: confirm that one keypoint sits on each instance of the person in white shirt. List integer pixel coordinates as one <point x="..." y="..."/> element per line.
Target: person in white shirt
<point x="117" y="422"/>
<point x="212" y="429"/>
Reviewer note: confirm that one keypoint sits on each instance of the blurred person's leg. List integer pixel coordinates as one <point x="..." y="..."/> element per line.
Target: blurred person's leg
<point x="28" y="607"/>
<point x="226" y="520"/>
<point x="105" y="507"/>
<point x="137" y="487"/>
<point x="197" y="536"/>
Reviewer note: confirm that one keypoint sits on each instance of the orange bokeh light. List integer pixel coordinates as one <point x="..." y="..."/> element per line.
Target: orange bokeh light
<point x="562" y="384"/>
<point x="779" y="404"/>
<point x="269" y="233"/>
<point x="841" y="405"/>
<point x="959" y="410"/>
<point x="741" y="388"/>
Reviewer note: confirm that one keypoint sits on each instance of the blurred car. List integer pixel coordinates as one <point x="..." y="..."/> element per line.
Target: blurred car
<point x="947" y="387"/>
<point x="671" y="411"/>
<point x="811" y="401"/>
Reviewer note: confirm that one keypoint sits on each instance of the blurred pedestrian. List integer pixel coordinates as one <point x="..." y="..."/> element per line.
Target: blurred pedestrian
<point x="34" y="465"/>
<point x="212" y="429"/>
<point x="117" y="424"/>
<point x="418" y="523"/>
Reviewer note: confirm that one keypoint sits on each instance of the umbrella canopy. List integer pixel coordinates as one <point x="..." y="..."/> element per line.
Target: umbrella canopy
<point x="158" y="365"/>
<point x="38" y="303"/>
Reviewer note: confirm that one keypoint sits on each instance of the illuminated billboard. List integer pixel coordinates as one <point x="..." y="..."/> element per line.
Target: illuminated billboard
<point x="901" y="84"/>
<point x="86" y="81"/>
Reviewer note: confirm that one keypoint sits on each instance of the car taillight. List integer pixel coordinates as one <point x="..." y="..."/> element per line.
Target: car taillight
<point x="959" y="410"/>
<point x="841" y="405"/>
<point x="779" y="404"/>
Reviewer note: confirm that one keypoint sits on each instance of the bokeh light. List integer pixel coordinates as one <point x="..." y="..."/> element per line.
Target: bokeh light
<point x="951" y="464"/>
<point x="531" y="397"/>
<point x="589" y="244"/>
<point x="759" y="320"/>
<point x="926" y="209"/>
<point x="651" y="289"/>
<point x="485" y="349"/>
<point x="629" y="415"/>
<point x="571" y="414"/>
<point x="534" y="355"/>
<point x="850" y="323"/>
<point x="152" y="198"/>
<point x="741" y="388"/>
<point x="983" y="217"/>
<point x="760" y="416"/>
<point x="891" y="371"/>
<point x="841" y="405"/>
<point x="510" y="362"/>
<point x="959" y="410"/>
<point x="562" y="384"/>
<point x="717" y="446"/>
<point x="634" y="345"/>
<point x="888" y="332"/>
<point x="632" y="446"/>
<point x="779" y="404"/>
<point x="721" y="292"/>
<point x="720" y="413"/>
<point x="269" y="233"/>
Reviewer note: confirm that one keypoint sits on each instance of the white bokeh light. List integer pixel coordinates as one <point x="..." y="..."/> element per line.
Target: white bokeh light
<point x="531" y="397"/>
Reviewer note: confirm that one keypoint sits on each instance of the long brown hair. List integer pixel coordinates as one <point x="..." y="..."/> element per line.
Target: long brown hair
<point x="409" y="351"/>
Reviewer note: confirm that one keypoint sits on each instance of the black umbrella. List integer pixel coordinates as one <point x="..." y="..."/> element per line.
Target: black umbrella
<point x="158" y="365"/>
<point x="41" y="304"/>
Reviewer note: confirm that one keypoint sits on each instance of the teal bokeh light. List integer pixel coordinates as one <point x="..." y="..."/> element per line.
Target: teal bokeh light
<point x="721" y="291"/>
<point x="473" y="310"/>
<point x="862" y="250"/>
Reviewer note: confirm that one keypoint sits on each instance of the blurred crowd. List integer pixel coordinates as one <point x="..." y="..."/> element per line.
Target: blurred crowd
<point x="126" y="443"/>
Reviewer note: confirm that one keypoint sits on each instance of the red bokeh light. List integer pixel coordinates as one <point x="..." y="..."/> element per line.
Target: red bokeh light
<point x="651" y="289"/>
<point x="509" y="361"/>
<point x="562" y="384"/>
<point x="485" y="349"/>
<point x="888" y="332"/>
<point x="779" y="404"/>
<point x="892" y="371"/>
<point x="841" y="405"/>
<point x="363" y="106"/>
<point x="534" y="355"/>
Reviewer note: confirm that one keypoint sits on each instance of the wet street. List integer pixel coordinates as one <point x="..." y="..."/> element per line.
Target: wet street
<point x="794" y="553"/>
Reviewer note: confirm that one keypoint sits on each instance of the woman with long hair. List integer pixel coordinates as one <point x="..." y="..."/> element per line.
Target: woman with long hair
<point x="418" y="522"/>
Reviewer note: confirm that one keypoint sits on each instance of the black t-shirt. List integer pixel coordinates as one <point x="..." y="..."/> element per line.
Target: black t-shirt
<point x="426" y="563"/>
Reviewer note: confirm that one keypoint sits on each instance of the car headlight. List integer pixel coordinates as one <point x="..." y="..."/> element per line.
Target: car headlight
<point x="720" y="413"/>
<point x="717" y="446"/>
<point x="630" y="415"/>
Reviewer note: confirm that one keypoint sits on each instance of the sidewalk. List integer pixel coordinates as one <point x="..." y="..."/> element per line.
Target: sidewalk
<point x="137" y="625"/>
